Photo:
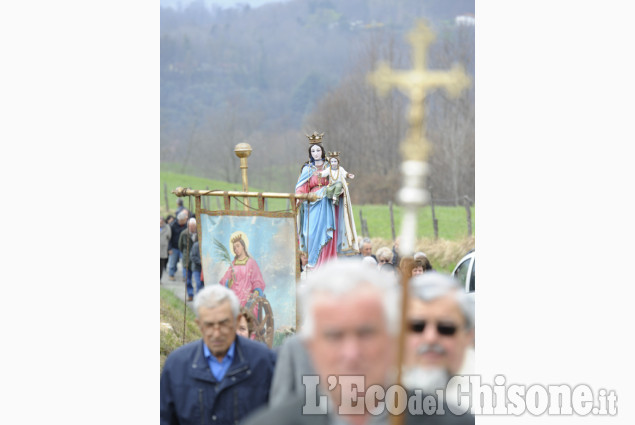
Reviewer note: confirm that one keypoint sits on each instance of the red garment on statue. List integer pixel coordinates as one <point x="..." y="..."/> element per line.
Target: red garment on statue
<point x="329" y="252"/>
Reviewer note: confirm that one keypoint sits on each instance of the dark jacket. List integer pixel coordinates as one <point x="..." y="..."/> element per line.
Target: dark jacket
<point x="185" y="246"/>
<point x="195" y="258"/>
<point x="176" y="232"/>
<point x="190" y="394"/>
<point x="166" y="235"/>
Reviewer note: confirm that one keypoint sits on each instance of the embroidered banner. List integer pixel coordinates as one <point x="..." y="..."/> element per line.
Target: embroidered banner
<point x="254" y="254"/>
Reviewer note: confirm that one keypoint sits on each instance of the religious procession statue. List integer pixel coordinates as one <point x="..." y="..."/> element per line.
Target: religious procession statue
<point x="326" y="227"/>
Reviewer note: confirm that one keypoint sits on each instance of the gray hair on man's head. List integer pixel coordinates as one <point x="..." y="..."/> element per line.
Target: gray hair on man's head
<point x="366" y="240"/>
<point x="345" y="277"/>
<point x="191" y="221"/>
<point x="214" y="295"/>
<point x="432" y="285"/>
<point x="182" y="215"/>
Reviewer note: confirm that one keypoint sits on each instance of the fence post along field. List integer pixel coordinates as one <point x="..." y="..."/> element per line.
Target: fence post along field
<point x="435" y="223"/>
<point x="468" y="213"/>
<point x="392" y="222"/>
<point x="165" y="192"/>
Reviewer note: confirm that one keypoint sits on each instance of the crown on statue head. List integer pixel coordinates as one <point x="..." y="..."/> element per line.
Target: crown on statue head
<point x="315" y="138"/>
<point x="236" y="239"/>
<point x="334" y="155"/>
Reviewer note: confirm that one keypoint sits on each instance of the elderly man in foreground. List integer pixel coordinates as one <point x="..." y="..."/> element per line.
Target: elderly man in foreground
<point x="220" y="378"/>
<point x="440" y="332"/>
<point x="350" y="327"/>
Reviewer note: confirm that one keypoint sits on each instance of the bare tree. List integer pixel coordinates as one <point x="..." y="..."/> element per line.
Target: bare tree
<point x="450" y="122"/>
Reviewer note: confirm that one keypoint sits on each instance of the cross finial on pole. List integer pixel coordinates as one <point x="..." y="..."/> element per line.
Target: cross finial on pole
<point x="414" y="83"/>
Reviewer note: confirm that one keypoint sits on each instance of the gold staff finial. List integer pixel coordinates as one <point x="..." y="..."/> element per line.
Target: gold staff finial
<point x="242" y="151"/>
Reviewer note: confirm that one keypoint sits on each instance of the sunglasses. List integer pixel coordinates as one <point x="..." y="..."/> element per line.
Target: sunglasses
<point x="445" y="329"/>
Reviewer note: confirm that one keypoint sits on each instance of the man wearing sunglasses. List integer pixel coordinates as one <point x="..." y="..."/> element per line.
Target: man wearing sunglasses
<point x="440" y="330"/>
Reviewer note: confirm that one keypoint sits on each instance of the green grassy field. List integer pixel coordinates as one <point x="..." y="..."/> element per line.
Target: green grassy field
<point x="174" y="180"/>
<point x="172" y="324"/>
<point x="452" y="221"/>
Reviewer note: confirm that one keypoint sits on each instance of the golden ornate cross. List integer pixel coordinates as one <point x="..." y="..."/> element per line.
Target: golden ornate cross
<point x="414" y="83"/>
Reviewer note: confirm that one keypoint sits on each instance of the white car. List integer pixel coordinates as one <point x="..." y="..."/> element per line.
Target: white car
<point x="464" y="272"/>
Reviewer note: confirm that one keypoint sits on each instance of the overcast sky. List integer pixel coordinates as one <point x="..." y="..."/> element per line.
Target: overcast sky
<point x="222" y="3"/>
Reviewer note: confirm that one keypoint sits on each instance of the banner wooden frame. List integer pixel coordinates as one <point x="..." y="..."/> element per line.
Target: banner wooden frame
<point x="249" y="212"/>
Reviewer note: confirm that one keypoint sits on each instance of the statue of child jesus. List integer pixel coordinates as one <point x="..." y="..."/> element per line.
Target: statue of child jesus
<point x="337" y="177"/>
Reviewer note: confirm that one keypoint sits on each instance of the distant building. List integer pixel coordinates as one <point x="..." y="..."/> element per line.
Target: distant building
<point x="465" y="19"/>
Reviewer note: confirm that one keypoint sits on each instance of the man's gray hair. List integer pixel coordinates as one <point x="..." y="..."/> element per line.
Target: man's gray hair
<point x="366" y="240"/>
<point x="213" y="296"/>
<point x="432" y="285"/>
<point x="182" y="215"/>
<point x="344" y="277"/>
<point x="191" y="221"/>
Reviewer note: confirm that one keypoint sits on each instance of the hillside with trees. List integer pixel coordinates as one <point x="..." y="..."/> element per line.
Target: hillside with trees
<point x="267" y="75"/>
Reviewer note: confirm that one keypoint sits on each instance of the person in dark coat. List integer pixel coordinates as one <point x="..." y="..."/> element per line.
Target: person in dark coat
<point x="220" y="378"/>
<point x="187" y="239"/>
<point x="195" y="265"/>
<point x="166" y="234"/>
<point x="177" y="227"/>
<point x="179" y="206"/>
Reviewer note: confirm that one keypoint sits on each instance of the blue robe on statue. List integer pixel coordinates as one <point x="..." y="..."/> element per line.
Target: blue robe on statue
<point x="316" y="220"/>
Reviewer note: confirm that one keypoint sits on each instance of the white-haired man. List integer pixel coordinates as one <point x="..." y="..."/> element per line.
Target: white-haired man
<point x="440" y="331"/>
<point x="366" y="249"/>
<point x="220" y="378"/>
<point x="350" y="326"/>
